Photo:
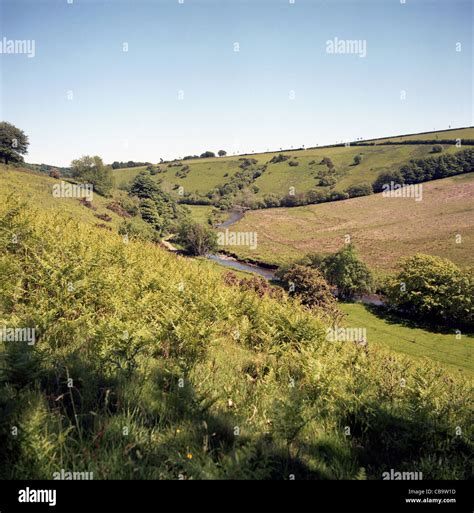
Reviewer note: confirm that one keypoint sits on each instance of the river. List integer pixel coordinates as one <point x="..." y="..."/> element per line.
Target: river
<point x="269" y="274"/>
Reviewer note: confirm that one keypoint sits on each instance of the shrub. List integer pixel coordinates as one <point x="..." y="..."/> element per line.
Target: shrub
<point x="91" y="170"/>
<point x="347" y="272"/>
<point x="437" y="148"/>
<point x="434" y="289"/>
<point x="359" y="190"/>
<point x="278" y="158"/>
<point x="197" y="239"/>
<point x="256" y="283"/>
<point x="384" y="179"/>
<point x="357" y="160"/>
<point x="310" y="286"/>
<point x="104" y="217"/>
<point x="118" y="209"/>
<point x="207" y="154"/>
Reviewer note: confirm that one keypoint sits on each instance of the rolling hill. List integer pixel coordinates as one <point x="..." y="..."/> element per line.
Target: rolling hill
<point x="204" y="175"/>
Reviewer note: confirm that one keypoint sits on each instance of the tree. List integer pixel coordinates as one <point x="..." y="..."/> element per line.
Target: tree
<point x="386" y="178"/>
<point x="433" y="288"/>
<point x="310" y="286"/>
<point x="363" y="189"/>
<point x="207" y="154"/>
<point x="92" y="170"/>
<point x="222" y="153"/>
<point x="347" y="272"/>
<point x="13" y="143"/>
<point x="357" y="160"/>
<point x="198" y="239"/>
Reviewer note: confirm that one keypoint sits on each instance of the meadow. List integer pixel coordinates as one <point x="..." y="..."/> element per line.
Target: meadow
<point x="383" y="229"/>
<point x="423" y="342"/>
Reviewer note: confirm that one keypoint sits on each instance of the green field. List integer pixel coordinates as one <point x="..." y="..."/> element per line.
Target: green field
<point x="404" y="337"/>
<point x="383" y="229"/>
<point x="206" y="174"/>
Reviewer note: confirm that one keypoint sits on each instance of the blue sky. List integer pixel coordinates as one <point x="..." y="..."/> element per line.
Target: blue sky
<point x="281" y="88"/>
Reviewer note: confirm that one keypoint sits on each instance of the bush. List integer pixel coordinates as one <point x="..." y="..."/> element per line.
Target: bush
<point x="434" y="289"/>
<point x="91" y="170"/>
<point x="309" y="285"/>
<point x="278" y="158"/>
<point x="359" y="190"/>
<point x="437" y="148"/>
<point x="347" y="272"/>
<point x="357" y="160"/>
<point x="197" y="239"/>
<point x="384" y="179"/>
<point x="207" y="154"/>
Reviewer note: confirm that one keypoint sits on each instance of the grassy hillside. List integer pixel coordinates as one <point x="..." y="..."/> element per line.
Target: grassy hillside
<point x="37" y="188"/>
<point x="176" y="376"/>
<point x="384" y="229"/>
<point x="405" y="337"/>
<point x="206" y="174"/>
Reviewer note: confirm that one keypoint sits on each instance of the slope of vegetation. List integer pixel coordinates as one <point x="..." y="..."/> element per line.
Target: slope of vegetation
<point x="384" y="229"/>
<point x="298" y="172"/>
<point x="147" y="366"/>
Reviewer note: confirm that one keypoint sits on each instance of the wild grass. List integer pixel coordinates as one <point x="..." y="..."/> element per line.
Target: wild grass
<point x="176" y="376"/>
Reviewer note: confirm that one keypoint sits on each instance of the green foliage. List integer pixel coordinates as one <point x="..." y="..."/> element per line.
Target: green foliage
<point x="433" y="168"/>
<point x="91" y="170"/>
<point x="310" y="286"/>
<point x="207" y="155"/>
<point x="359" y="190"/>
<point x="13" y="143"/>
<point x="386" y="178"/>
<point x="198" y="239"/>
<point x="435" y="289"/>
<point x="157" y="208"/>
<point x="166" y="362"/>
<point x="347" y="272"/>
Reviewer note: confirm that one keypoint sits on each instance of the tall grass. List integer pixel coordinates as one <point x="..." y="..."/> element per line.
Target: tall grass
<point x="146" y="366"/>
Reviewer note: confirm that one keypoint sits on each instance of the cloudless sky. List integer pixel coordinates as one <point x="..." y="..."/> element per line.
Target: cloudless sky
<point x="182" y="89"/>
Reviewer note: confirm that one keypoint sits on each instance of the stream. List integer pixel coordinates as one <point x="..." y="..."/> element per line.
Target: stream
<point x="236" y="215"/>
